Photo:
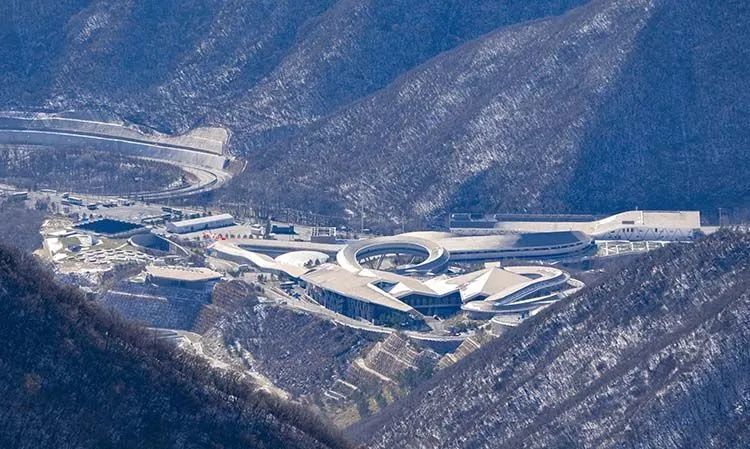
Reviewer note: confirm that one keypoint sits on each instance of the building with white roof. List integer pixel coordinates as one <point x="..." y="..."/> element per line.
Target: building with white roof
<point x="358" y="287"/>
<point x="357" y="296"/>
<point x="386" y="297"/>
<point x="285" y="267"/>
<point x="629" y="225"/>
<point x="302" y="259"/>
<point x="200" y="224"/>
<point x="178" y="276"/>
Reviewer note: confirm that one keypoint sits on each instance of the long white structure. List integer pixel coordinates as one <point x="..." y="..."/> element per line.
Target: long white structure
<point x="200" y="152"/>
<point x="630" y="225"/>
<point x="533" y="245"/>
<point x="232" y="252"/>
<point x="439" y="249"/>
<point x="200" y="224"/>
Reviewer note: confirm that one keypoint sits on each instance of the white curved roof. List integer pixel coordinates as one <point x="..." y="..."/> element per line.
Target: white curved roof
<point x="436" y="257"/>
<point x="302" y="258"/>
<point x="187" y="274"/>
<point x="344" y="282"/>
<point x="229" y="250"/>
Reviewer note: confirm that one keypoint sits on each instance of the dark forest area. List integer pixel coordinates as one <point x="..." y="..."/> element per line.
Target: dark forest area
<point x="73" y="376"/>
<point x="85" y="170"/>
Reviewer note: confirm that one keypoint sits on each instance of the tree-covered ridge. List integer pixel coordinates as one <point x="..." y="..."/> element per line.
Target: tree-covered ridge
<point x="73" y="376"/>
<point x="653" y="357"/>
<point x="411" y="108"/>
<point x="19" y="225"/>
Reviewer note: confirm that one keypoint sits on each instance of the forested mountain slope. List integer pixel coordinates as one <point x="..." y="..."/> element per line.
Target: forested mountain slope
<point x="655" y="357"/>
<point x="275" y="64"/>
<point x="416" y="107"/>
<point x="616" y="104"/>
<point x="72" y="376"/>
<point x="20" y="225"/>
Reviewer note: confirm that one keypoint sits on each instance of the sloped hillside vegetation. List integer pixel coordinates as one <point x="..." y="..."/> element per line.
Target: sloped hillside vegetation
<point x="19" y="225"/>
<point x="85" y="170"/>
<point x="172" y="63"/>
<point x="411" y="108"/>
<point x="593" y="111"/>
<point x="299" y="353"/>
<point x="72" y="376"/>
<point x="655" y="357"/>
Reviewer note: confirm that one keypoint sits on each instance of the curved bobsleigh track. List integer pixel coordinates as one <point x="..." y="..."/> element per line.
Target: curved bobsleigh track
<point x="199" y="153"/>
<point x="437" y="250"/>
<point x="435" y="256"/>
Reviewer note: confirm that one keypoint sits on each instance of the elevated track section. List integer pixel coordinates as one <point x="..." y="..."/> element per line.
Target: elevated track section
<point x="201" y="152"/>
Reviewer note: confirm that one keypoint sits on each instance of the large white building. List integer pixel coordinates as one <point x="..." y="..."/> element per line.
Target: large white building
<point x="631" y="225"/>
<point x="200" y="224"/>
<point x="438" y="249"/>
<point x="186" y="277"/>
<point x="386" y="297"/>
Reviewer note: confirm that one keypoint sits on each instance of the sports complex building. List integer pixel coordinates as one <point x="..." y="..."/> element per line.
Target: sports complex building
<point x="389" y="298"/>
<point x="404" y="278"/>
